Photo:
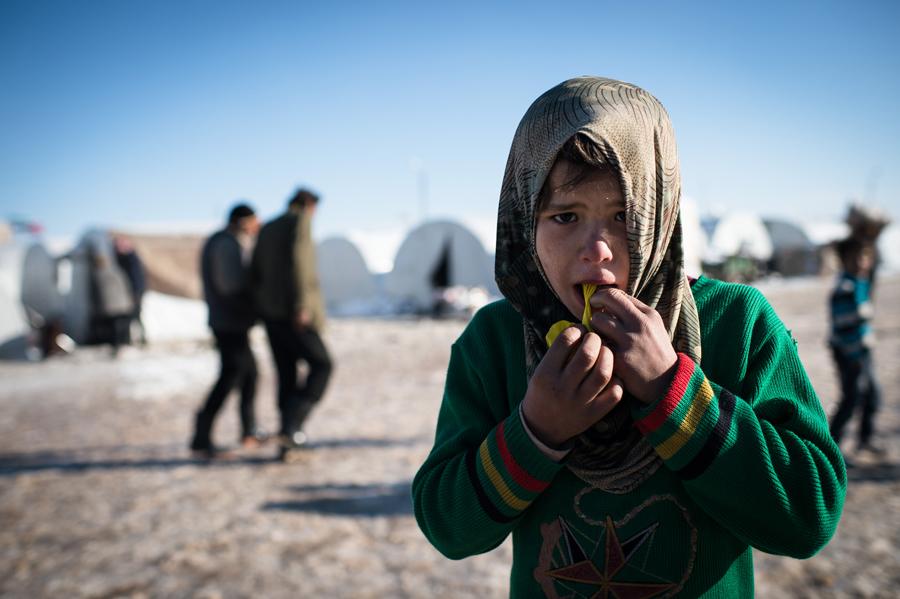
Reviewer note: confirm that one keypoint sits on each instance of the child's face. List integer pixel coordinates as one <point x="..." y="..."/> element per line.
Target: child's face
<point x="581" y="235"/>
<point x="860" y="263"/>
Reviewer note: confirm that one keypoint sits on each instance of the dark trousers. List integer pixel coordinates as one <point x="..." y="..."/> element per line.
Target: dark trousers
<point x="296" y="400"/>
<point x="858" y="388"/>
<point x="111" y="329"/>
<point x="238" y="370"/>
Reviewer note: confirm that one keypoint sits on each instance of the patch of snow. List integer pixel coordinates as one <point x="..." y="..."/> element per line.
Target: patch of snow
<point x="169" y="318"/>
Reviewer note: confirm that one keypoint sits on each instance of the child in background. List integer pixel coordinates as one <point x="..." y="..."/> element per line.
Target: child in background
<point x="851" y="341"/>
<point x="623" y="459"/>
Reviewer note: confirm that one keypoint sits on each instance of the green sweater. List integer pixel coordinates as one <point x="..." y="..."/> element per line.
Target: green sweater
<point x="748" y="462"/>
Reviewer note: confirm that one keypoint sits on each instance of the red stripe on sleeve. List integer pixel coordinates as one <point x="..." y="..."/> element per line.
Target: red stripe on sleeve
<point x="525" y="480"/>
<point x="669" y="402"/>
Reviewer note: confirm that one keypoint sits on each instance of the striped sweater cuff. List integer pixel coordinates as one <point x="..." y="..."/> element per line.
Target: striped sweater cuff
<point x="508" y="471"/>
<point x="689" y="425"/>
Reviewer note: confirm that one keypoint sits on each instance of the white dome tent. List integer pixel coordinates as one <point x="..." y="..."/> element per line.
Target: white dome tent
<point x="739" y="247"/>
<point x="739" y="234"/>
<point x="793" y="252"/>
<point x="347" y="284"/>
<point x="40" y="295"/>
<point x="435" y="255"/>
<point x="30" y="298"/>
<point x="13" y="323"/>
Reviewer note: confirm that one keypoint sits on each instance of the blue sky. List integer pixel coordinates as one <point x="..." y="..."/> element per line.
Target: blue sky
<point x="123" y="112"/>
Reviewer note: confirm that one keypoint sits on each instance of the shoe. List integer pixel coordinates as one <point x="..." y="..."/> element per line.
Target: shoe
<point x="292" y="446"/>
<point x="250" y="442"/>
<point x="255" y="440"/>
<point x="295" y="440"/>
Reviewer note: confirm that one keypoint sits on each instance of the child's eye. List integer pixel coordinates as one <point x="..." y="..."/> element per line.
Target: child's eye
<point x="620" y="216"/>
<point x="564" y="218"/>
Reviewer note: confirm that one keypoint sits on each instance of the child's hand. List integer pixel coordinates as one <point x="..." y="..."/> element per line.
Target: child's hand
<point x="572" y="388"/>
<point x="645" y="358"/>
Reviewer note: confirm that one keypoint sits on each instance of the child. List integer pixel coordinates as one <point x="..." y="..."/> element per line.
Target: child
<point x="622" y="462"/>
<point x="851" y="341"/>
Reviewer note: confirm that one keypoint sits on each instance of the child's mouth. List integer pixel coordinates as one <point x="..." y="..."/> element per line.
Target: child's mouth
<point x="586" y="290"/>
<point x="580" y="288"/>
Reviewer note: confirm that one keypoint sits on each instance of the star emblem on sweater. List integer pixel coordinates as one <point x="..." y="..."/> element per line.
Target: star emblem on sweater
<point x="607" y="581"/>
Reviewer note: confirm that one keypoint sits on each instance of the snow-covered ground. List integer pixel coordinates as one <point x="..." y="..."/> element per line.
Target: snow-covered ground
<point x="169" y="318"/>
<point x="100" y="498"/>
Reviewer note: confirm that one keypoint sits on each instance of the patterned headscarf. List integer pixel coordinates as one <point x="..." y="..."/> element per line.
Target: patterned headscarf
<point x="633" y="134"/>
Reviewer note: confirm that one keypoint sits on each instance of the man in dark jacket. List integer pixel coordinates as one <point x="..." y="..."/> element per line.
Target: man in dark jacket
<point x="224" y="267"/>
<point x="290" y="303"/>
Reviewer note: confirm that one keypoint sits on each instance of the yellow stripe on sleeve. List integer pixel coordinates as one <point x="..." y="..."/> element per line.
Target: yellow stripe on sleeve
<point x="506" y="493"/>
<point x="688" y="425"/>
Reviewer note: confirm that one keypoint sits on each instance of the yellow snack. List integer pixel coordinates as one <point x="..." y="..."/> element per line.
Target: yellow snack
<point x="557" y="328"/>
<point x="588" y="290"/>
<point x="560" y="326"/>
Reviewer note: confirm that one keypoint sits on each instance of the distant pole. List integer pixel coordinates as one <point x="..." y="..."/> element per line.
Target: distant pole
<point x="417" y="165"/>
<point x="423" y="193"/>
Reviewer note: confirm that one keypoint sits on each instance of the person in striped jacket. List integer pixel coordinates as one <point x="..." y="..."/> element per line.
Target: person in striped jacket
<point x="851" y="341"/>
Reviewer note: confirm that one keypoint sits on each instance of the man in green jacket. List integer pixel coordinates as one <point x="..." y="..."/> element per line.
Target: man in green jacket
<point x="289" y="301"/>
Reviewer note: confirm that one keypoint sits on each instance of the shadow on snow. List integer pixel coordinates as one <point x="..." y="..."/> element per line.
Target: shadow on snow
<point x="165" y="456"/>
<point x="350" y="500"/>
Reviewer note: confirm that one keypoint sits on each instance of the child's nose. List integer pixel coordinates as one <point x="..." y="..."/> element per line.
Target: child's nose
<point x="596" y="249"/>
